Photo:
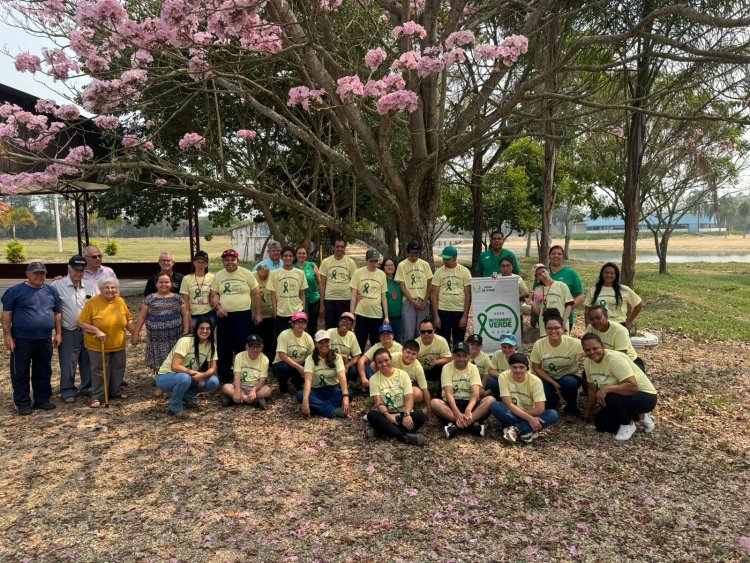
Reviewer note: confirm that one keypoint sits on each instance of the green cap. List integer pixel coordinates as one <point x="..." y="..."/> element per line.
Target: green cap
<point x="461" y="347"/>
<point x="372" y="254"/>
<point x="449" y="252"/>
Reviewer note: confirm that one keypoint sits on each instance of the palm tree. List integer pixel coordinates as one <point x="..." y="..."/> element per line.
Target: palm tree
<point x="10" y="216"/>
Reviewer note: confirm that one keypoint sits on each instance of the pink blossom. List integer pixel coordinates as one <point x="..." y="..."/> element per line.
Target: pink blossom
<point x="100" y="12"/>
<point x="485" y="51"/>
<point x="140" y="57"/>
<point x="302" y="95"/>
<point x="411" y="492"/>
<point x="384" y="17"/>
<point x="129" y="141"/>
<point x="191" y="141"/>
<point x="407" y="61"/>
<point x="417" y="5"/>
<point x="429" y="65"/>
<point x="401" y="99"/>
<point x="375" y="88"/>
<point x="729" y="145"/>
<point x="107" y="121"/>
<point x="246" y="134"/>
<point x="149" y="124"/>
<point x="395" y="81"/>
<point x="198" y="66"/>
<point x="349" y="87"/>
<point x="459" y="39"/>
<point x="60" y="65"/>
<point x="26" y="62"/>
<point x="67" y="111"/>
<point x="617" y="132"/>
<point x="330" y="5"/>
<point x="79" y="154"/>
<point x="408" y="29"/>
<point x="453" y="56"/>
<point x="163" y="182"/>
<point x="513" y="46"/>
<point x="374" y="58"/>
<point x="203" y="38"/>
<point x="45" y="106"/>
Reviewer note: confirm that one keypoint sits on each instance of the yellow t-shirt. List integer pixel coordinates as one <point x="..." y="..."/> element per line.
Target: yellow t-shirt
<point x="185" y="347"/>
<point x="607" y="299"/>
<point x="251" y="371"/>
<point x="499" y="361"/>
<point x="198" y="291"/>
<point x="438" y="348"/>
<point x="322" y="375"/>
<point x="287" y="284"/>
<point x="560" y="360"/>
<point x="524" y="395"/>
<point x="338" y="274"/>
<point x="235" y="289"/>
<point x="556" y="297"/>
<point x="296" y="348"/>
<point x="523" y="289"/>
<point x="394" y="349"/>
<point x="371" y="286"/>
<point x="414" y="370"/>
<point x="461" y="380"/>
<point x="109" y="317"/>
<point x="483" y="363"/>
<point x="615" y="368"/>
<point x="392" y="390"/>
<point x="416" y="277"/>
<point x="617" y="338"/>
<point x="266" y="307"/>
<point x="451" y="283"/>
<point x="346" y="345"/>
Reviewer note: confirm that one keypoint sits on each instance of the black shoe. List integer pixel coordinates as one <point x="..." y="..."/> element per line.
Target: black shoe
<point x="188" y="405"/>
<point x="124" y="383"/>
<point x="450" y="430"/>
<point x="25" y="411"/>
<point x="476" y="429"/>
<point x="227" y="401"/>
<point x="45" y="406"/>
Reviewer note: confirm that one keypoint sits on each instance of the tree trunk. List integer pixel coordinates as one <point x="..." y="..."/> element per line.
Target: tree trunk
<point x="528" y="244"/>
<point x="548" y="199"/>
<point x="58" y="230"/>
<point x="477" y="177"/>
<point x="416" y="221"/>
<point x="663" y="245"/>
<point x="568" y="215"/>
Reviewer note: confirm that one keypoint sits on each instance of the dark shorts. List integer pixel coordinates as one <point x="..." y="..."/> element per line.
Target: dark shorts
<point x="461" y="404"/>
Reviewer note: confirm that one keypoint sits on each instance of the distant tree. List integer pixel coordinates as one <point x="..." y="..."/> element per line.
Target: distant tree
<point x="12" y="216"/>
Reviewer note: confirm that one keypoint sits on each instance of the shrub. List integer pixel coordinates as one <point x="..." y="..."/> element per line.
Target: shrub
<point x="112" y="248"/>
<point x="94" y="243"/>
<point x="15" y="252"/>
<point x="208" y="236"/>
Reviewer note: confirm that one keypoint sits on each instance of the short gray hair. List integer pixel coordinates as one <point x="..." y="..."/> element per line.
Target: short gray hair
<point x="107" y="279"/>
<point x="166" y="254"/>
<point x="262" y="266"/>
<point x="274" y="245"/>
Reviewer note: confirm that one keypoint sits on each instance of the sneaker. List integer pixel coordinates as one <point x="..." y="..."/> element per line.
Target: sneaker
<point x="25" y="411"/>
<point x="625" y="432"/>
<point x="528" y="438"/>
<point x="476" y="429"/>
<point x="45" y="406"/>
<point x="369" y="433"/>
<point x="175" y="413"/>
<point x="189" y="405"/>
<point x="364" y="417"/>
<point x="415" y="439"/>
<point x="510" y="434"/>
<point x="261" y="404"/>
<point x="227" y="401"/>
<point x="450" y="430"/>
<point x="648" y="423"/>
<point x="339" y="413"/>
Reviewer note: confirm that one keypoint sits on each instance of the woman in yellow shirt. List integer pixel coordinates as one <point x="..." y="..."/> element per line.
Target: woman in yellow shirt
<point x="622" y="303"/>
<point x="325" y="391"/>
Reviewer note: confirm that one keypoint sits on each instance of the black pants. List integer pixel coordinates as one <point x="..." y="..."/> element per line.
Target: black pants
<point x="280" y="325"/>
<point x="449" y="328"/>
<point x="285" y="374"/>
<point x="623" y="409"/>
<point x="313" y="312"/>
<point x="365" y="328"/>
<point x="385" y="429"/>
<point x="266" y="330"/>
<point x="232" y="333"/>
<point x="31" y="361"/>
<point x="640" y="364"/>
<point x="334" y="308"/>
<point x="433" y="376"/>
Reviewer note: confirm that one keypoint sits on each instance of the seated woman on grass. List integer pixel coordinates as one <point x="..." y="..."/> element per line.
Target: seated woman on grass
<point x="499" y="364"/>
<point x="366" y="363"/>
<point x="394" y="415"/>
<point x="622" y="303"/>
<point x="619" y="387"/>
<point x="408" y="360"/>
<point x="250" y="386"/>
<point x="325" y="390"/>
<point x="614" y="336"/>
<point x="521" y="409"/>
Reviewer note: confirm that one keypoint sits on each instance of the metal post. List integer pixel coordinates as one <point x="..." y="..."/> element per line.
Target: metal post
<point x="193" y="228"/>
<point x="77" y="200"/>
<point x="86" y="217"/>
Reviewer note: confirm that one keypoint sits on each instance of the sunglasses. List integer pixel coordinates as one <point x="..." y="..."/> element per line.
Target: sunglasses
<point x="426" y="331"/>
<point x="97" y="257"/>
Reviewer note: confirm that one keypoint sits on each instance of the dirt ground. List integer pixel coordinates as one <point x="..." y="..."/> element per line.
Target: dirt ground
<point x="130" y="483"/>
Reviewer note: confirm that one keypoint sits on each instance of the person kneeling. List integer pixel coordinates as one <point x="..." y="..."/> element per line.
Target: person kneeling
<point x="176" y="374"/>
<point x="461" y="406"/>
<point x="325" y="390"/>
<point x="392" y="392"/>
<point x="250" y="376"/>
<point x="521" y="410"/>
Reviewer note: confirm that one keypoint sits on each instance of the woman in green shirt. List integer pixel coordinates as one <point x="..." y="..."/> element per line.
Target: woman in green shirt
<point x="312" y="294"/>
<point x="395" y="298"/>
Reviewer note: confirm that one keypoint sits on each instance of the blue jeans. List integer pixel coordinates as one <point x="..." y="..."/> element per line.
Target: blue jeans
<point x="31" y="358"/>
<point x="493" y="384"/>
<point x="183" y="388"/>
<point x="284" y="374"/>
<point x="507" y="418"/>
<point x="324" y="400"/>
<point x="569" y="385"/>
<point x="72" y="355"/>
<point x="398" y="328"/>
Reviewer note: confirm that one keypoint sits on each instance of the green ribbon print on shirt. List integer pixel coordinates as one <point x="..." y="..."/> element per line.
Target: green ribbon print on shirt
<point x="389" y="402"/>
<point x="294" y="353"/>
<point x="333" y="275"/>
<point x="449" y="286"/>
<point x="367" y="288"/>
<point x="413" y="280"/>
<point x="286" y="287"/>
<point x="322" y="380"/>
<point x="197" y="293"/>
<point x="227" y="287"/>
<point x="552" y="367"/>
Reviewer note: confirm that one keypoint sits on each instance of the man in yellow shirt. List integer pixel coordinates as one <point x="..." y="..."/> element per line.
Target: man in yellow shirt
<point x="344" y="342"/>
<point x="250" y="376"/>
<point x="461" y="406"/>
<point x="336" y="272"/>
<point x="369" y="303"/>
<point x="414" y="275"/>
<point x="287" y="286"/>
<point x="521" y="409"/>
<point x="434" y="351"/>
<point x="451" y="297"/>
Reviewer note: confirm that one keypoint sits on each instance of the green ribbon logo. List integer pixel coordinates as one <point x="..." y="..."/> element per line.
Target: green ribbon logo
<point x="603" y="303"/>
<point x="413" y="280"/>
<point x="197" y="293"/>
<point x="244" y="375"/>
<point x="286" y="287"/>
<point x="190" y="363"/>
<point x="389" y="402"/>
<point x="333" y="275"/>
<point x="449" y="287"/>
<point x="227" y="287"/>
<point x="322" y="381"/>
<point x="552" y="367"/>
<point x="294" y="353"/>
<point x="262" y="296"/>
<point x="482" y="319"/>
<point x="367" y="288"/>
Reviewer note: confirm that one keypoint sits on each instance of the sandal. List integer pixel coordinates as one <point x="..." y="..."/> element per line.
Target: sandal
<point x="121" y="396"/>
<point x="95" y="404"/>
<point x="69" y="400"/>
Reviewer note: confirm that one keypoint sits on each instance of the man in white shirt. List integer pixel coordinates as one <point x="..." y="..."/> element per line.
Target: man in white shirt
<point x="94" y="269"/>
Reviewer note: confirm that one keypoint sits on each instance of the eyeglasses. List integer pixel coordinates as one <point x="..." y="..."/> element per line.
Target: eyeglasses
<point x="299" y="323"/>
<point x="97" y="257"/>
<point x="554" y="328"/>
<point x="426" y="331"/>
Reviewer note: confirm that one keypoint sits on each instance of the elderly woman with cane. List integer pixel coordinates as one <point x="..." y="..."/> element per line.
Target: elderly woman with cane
<point x="104" y="320"/>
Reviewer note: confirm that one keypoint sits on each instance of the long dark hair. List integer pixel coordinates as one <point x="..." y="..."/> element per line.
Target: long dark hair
<point x="196" y="340"/>
<point x="615" y="284"/>
<point x="330" y="358"/>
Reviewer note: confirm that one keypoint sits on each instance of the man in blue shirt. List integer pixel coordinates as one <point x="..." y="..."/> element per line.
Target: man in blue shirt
<point x="30" y="311"/>
<point x="274" y="257"/>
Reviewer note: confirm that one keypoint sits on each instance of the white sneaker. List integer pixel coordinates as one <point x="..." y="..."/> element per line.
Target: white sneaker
<point x="510" y="434"/>
<point x="625" y="432"/>
<point x="365" y="417"/>
<point x="648" y="423"/>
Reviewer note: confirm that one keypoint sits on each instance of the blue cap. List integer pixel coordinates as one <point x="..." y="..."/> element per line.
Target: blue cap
<point x="385" y="328"/>
<point x="508" y="338"/>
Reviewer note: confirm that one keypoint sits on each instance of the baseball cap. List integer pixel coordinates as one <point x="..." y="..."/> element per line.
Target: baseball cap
<point x="414" y="246"/>
<point x="77" y="263"/>
<point x="461" y="347"/>
<point x="254" y="340"/>
<point x="385" y="328"/>
<point x="536" y="267"/>
<point x="449" y="252"/>
<point x="372" y="254"/>
<point x="518" y="358"/>
<point x="36" y="267"/>
<point x="299" y="316"/>
<point x="201" y="254"/>
<point x="322" y="335"/>
<point x="474" y="339"/>
<point x="230" y="252"/>
<point x="508" y="338"/>
<point x="348" y="315"/>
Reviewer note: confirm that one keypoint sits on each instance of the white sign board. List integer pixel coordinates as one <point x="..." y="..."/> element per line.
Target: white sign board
<point x="496" y="310"/>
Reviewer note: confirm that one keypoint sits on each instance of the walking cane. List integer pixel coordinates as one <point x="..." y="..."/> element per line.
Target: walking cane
<point x="106" y="381"/>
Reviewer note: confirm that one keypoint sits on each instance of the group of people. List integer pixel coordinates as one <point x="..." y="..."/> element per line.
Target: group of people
<point x="237" y="329"/>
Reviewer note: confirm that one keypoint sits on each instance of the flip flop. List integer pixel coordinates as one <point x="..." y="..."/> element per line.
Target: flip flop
<point x="69" y="400"/>
<point x="95" y="404"/>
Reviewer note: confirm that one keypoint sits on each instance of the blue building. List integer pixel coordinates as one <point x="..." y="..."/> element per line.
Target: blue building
<point x="690" y="223"/>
